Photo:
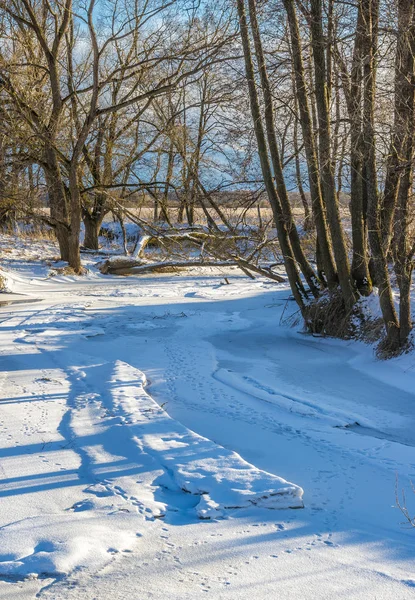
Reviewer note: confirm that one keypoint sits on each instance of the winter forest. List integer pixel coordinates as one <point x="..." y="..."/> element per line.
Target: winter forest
<point x="207" y="245"/>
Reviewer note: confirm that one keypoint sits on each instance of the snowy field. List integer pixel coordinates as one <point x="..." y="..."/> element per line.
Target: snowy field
<point x="177" y="437"/>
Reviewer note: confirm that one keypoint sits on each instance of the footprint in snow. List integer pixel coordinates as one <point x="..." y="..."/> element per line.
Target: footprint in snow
<point x="82" y="505"/>
<point x="99" y="490"/>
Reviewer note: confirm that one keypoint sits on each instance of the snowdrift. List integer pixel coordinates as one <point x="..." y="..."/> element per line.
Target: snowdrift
<point x="135" y="465"/>
<point x="198" y="466"/>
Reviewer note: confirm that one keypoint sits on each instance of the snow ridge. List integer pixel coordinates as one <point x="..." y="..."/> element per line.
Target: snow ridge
<point x="198" y="466"/>
<point x="128" y="463"/>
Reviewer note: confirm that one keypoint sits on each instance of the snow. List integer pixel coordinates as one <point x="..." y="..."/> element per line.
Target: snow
<point x="148" y="425"/>
<point x="112" y="421"/>
<point x="195" y="464"/>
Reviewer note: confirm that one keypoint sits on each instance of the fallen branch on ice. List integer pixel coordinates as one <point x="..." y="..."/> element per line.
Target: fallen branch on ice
<point x="123" y="265"/>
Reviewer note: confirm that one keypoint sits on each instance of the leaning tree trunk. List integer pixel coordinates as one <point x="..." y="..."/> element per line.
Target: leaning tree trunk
<point x="326" y="167"/>
<point x="400" y="131"/>
<point x="404" y="259"/>
<point x="360" y="260"/>
<point x="283" y="238"/>
<point x="298" y="251"/>
<point x="380" y="266"/>
<point x="406" y="114"/>
<point x="308" y="219"/>
<point x="323" y="238"/>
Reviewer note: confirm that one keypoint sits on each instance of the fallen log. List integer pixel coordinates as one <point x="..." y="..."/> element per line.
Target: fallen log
<point x="131" y="266"/>
<point x="123" y="265"/>
<point x="196" y="238"/>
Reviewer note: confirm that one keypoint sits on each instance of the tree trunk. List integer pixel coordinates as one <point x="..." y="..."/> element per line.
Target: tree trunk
<point x="299" y="255"/>
<point x="406" y="114"/>
<point x="58" y="203"/>
<point x="360" y="261"/>
<point x="164" y="213"/>
<point x="62" y="235"/>
<point x="400" y="132"/>
<point x="289" y="262"/>
<point x="327" y="176"/>
<point x="180" y="212"/>
<point x="380" y="267"/>
<point x="308" y="219"/>
<point x="325" y="248"/>
<point x="74" y="255"/>
<point x="92" y="226"/>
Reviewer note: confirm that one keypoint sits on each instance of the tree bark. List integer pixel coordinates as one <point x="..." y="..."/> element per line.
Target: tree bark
<point x="406" y="114"/>
<point x="283" y="238"/>
<point x="380" y="266"/>
<point x="324" y="241"/>
<point x="308" y="220"/>
<point x="58" y="202"/>
<point x="352" y="87"/>
<point x="397" y="152"/>
<point x="298" y="251"/>
<point x="74" y="254"/>
<point x="327" y="176"/>
<point x="92" y="224"/>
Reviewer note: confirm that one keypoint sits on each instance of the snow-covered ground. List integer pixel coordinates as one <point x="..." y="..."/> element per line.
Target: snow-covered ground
<point x="105" y="493"/>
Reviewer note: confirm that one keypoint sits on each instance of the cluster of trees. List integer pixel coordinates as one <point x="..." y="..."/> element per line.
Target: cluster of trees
<point x="347" y="51"/>
<point x="174" y="98"/>
<point x="93" y="98"/>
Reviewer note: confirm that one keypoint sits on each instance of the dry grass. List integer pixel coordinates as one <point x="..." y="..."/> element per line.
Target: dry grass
<point x="327" y="316"/>
<point x="386" y="350"/>
<point x="236" y="215"/>
<point x="3" y="283"/>
<point x="64" y="271"/>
